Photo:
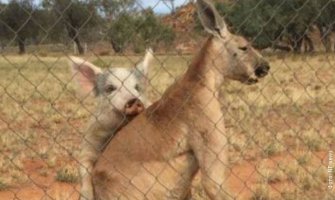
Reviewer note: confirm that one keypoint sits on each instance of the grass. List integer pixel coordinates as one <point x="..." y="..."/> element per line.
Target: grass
<point x="3" y="185"/>
<point x="270" y="175"/>
<point x="285" y="122"/>
<point x="261" y="193"/>
<point x="272" y="149"/>
<point x="68" y="174"/>
<point x="304" y="159"/>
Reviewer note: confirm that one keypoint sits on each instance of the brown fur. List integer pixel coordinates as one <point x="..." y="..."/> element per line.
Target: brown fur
<point x="157" y="154"/>
<point x="169" y="143"/>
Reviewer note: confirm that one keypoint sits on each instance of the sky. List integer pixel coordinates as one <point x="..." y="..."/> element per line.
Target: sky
<point x="159" y="6"/>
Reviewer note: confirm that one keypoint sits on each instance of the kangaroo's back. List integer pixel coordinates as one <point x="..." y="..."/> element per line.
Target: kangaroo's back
<point x="157" y="154"/>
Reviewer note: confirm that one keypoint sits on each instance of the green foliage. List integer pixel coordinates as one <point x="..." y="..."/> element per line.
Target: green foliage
<point x="74" y="17"/>
<point x="152" y="31"/>
<point x="17" y="22"/>
<point x="326" y="12"/>
<point x="121" y="30"/>
<point x="140" y="30"/>
<point x="113" y="8"/>
<point x="51" y="29"/>
<point x="268" y="22"/>
<point x="254" y="20"/>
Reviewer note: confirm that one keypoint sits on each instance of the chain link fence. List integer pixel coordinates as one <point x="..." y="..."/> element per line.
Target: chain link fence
<point x="280" y="131"/>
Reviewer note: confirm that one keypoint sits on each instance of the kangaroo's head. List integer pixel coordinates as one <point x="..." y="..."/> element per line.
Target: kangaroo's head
<point x="234" y="57"/>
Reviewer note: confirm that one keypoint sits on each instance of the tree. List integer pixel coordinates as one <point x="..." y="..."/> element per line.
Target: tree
<point x="139" y="29"/>
<point x="152" y="31"/>
<point x="253" y="19"/>
<point x="121" y="31"/>
<point x="326" y="21"/>
<point x="298" y="22"/>
<point x="114" y="8"/>
<point x="18" y="22"/>
<point x="76" y="16"/>
<point x="2" y="26"/>
<point x="272" y="23"/>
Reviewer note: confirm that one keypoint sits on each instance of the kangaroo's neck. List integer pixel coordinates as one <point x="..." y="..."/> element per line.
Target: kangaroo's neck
<point x="203" y="68"/>
<point x="194" y="90"/>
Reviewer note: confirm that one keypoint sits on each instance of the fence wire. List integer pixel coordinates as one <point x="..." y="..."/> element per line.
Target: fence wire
<point x="280" y="131"/>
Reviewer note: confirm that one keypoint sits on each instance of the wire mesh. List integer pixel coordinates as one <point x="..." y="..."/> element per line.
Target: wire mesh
<point x="280" y="132"/>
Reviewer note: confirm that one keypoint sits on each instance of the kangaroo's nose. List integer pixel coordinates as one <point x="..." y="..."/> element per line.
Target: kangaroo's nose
<point x="133" y="107"/>
<point x="262" y="70"/>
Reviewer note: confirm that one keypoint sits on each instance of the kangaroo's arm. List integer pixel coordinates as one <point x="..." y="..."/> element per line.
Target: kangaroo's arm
<point x="209" y="149"/>
<point x="209" y="144"/>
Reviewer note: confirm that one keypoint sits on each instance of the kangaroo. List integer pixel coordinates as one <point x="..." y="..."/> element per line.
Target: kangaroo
<point x="184" y="131"/>
<point x="120" y="95"/>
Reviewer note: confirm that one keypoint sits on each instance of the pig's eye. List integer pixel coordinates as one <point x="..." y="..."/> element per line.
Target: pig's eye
<point x="137" y="87"/>
<point x="110" y="89"/>
<point x="243" y="48"/>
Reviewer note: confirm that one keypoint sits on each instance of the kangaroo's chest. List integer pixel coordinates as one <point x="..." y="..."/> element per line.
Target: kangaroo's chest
<point x="165" y="179"/>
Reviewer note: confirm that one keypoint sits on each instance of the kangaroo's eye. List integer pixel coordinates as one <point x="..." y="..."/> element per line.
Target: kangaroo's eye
<point x="137" y="87"/>
<point x="110" y="89"/>
<point x="243" y="48"/>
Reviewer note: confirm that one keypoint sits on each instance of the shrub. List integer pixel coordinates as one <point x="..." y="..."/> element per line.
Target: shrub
<point x="152" y="32"/>
<point x="121" y="31"/>
<point x="139" y="29"/>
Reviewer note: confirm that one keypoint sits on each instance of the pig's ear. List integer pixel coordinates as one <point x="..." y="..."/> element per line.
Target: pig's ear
<point x="142" y="68"/>
<point x="85" y="73"/>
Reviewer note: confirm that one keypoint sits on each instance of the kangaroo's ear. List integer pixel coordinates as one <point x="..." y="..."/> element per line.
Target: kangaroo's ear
<point x="85" y="73"/>
<point x="210" y="18"/>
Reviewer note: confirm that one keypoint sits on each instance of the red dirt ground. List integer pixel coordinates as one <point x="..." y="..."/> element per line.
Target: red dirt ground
<point x="242" y="180"/>
<point x="40" y="187"/>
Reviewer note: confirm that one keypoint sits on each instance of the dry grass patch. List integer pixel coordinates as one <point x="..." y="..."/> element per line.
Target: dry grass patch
<point x="289" y="113"/>
<point x="270" y="175"/>
<point x="261" y="192"/>
<point x="68" y="174"/>
<point x="3" y="184"/>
